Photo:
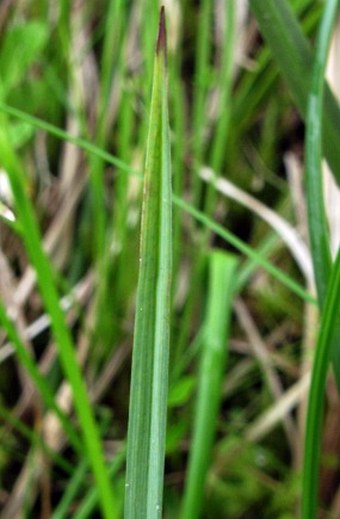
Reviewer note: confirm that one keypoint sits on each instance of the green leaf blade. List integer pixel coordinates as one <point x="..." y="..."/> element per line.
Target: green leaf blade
<point x="318" y="231"/>
<point x="329" y="327"/>
<point x="61" y="333"/>
<point x="149" y="385"/>
<point x="212" y="365"/>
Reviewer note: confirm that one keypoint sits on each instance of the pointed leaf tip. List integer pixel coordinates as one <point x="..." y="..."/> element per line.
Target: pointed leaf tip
<point x="161" y="40"/>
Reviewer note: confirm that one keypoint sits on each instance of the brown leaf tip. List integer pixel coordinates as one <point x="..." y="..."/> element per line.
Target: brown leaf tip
<point x="161" y="40"/>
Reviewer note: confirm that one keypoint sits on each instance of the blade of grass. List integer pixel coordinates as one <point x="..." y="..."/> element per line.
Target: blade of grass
<point x="245" y="271"/>
<point x="295" y="60"/>
<point x="318" y="231"/>
<point x="62" y="336"/>
<point x="330" y="323"/>
<point x="148" y="29"/>
<point x="213" y="360"/>
<point x="148" y="397"/>
<point x="84" y="144"/>
<point x="245" y="249"/>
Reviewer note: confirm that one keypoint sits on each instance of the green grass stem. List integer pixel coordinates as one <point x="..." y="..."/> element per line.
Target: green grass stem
<point x="212" y="366"/>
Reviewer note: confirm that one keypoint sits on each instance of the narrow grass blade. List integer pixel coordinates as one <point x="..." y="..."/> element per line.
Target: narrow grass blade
<point x="295" y="60"/>
<point x="62" y="336"/>
<point x="148" y="397"/>
<point x="330" y="323"/>
<point x="214" y="356"/>
<point x="318" y="231"/>
<point x="245" y="249"/>
<point x="84" y="144"/>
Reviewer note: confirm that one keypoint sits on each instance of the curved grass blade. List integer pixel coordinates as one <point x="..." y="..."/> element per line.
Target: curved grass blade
<point x="213" y="360"/>
<point x="330" y="323"/>
<point x="149" y="384"/>
<point x="295" y="60"/>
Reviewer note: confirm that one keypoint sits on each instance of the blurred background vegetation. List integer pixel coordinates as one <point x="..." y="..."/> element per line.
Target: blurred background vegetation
<point x="86" y="68"/>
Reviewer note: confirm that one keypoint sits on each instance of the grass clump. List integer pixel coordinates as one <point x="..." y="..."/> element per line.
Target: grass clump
<point x="158" y="343"/>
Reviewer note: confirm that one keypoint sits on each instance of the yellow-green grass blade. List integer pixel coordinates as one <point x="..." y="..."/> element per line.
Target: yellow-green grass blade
<point x="294" y="58"/>
<point x="149" y="383"/>
<point x="330" y="323"/>
<point x="61" y="333"/>
<point x="222" y="282"/>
